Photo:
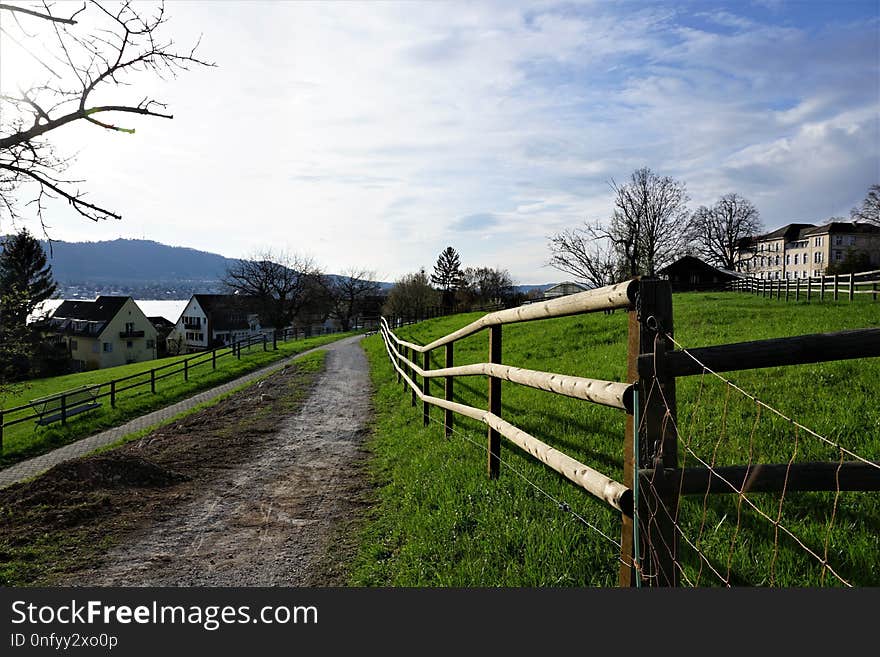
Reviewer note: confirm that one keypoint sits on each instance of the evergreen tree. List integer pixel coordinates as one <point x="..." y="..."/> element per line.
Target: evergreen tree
<point x="25" y="278"/>
<point x="448" y="275"/>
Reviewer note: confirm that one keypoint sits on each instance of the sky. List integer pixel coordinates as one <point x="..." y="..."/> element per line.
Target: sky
<point x="374" y="135"/>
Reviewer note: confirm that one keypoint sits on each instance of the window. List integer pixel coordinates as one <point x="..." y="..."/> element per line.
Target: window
<point x="777" y="260"/>
<point x="851" y="240"/>
<point x="817" y="241"/>
<point x="838" y="240"/>
<point x="777" y="246"/>
<point x="795" y="258"/>
<point x="777" y="275"/>
<point x="129" y="327"/>
<point x="129" y="344"/>
<point x="108" y="347"/>
<point x="788" y="258"/>
<point x="838" y="256"/>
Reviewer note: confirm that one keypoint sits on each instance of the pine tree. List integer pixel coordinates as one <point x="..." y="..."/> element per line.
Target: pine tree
<point x="25" y="278"/>
<point x="448" y="276"/>
<point x="447" y="272"/>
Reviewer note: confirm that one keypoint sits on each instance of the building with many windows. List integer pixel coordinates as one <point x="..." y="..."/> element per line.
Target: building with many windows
<point x="806" y="250"/>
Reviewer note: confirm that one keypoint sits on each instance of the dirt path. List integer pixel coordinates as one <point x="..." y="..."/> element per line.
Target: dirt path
<point x="269" y="519"/>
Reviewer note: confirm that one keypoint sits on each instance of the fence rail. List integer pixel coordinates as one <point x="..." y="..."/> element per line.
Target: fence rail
<point x="29" y="412"/>
<point x="831" y="286"/>
<point x="654" y="479"/>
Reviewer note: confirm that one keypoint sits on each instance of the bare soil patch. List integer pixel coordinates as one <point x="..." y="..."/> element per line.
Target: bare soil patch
<point x="252" y="491"/>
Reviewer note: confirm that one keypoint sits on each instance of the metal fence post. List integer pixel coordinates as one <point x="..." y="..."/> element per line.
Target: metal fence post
<point x="493" y="437"/>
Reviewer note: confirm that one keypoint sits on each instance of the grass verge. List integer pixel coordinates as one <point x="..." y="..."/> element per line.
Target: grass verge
<point x="25" y="440"/>
<point x="440" y="522"/>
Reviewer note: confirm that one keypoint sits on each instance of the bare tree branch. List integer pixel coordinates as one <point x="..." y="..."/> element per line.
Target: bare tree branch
<point x="717" y="232"/>
<point x="98" y="48"/>
<point x="47" y="16"/>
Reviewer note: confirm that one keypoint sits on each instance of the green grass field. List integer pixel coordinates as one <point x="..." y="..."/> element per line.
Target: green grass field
<point x="25" y="440"/>
<point x="439" y="521"/>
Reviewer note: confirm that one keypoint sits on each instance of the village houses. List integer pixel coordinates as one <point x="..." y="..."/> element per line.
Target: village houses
<point x="106" y="332"/>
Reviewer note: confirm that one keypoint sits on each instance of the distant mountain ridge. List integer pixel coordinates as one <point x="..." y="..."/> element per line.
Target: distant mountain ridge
<point x="145" y="269"/>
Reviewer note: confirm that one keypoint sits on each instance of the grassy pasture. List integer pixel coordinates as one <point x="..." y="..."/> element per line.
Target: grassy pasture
<point x="440" y="522"/>
<point x="25" y="440"/>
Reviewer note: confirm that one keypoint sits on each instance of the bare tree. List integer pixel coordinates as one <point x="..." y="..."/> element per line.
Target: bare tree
<point x="411" y="296"/>
<point x="284" y="284"/>
<point x="717" y="232"/>
<point x="647" y="231"/>
<point x="869" y="211"/>
<point x="90" y="57"/>
<point x="348" y="294"/>
<point x="650" y="221"/>
<point x="586" y="255"/>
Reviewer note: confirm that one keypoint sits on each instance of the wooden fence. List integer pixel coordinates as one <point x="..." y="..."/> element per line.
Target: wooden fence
<point x="652" y="479"/>
<point x="113" y="388"/>
<point x="831" y="287"/>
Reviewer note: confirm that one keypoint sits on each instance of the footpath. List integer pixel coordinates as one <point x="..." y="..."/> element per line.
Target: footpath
<point x="39" y="464"/>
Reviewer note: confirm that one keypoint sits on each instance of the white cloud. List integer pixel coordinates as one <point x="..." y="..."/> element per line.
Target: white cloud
<point x="361" y="133"/>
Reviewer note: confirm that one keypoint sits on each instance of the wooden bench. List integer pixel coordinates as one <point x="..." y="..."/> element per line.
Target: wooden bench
<point x="64" y="405"/>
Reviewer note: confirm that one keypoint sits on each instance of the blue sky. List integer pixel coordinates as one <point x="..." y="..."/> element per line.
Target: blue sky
<point x="376" y="134"/>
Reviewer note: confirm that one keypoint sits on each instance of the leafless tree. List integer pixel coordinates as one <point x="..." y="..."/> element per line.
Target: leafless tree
<point x="647" y="231"/>
<point x="348" y="294"/>
<point x="285" y="284"/>
<point x="90" y="57"/>
<point x="585" y="254"/>
<point x="650" y="221"/>
<point x="411" y="296"/>
<point x="869" y="211"/>
<point x="717" y="232"/>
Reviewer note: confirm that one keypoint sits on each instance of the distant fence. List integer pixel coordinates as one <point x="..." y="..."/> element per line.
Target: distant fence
<point x="821" y="288"/>
<point x="654" y="479"/>
<point x="113" y="388"/>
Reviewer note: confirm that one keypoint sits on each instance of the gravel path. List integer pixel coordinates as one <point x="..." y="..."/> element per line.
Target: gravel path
<point x="270" y="520"/>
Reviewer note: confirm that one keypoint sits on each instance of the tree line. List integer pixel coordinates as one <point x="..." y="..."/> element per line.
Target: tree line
<point x="651" y="226"/>
<point x="451" y="288"/>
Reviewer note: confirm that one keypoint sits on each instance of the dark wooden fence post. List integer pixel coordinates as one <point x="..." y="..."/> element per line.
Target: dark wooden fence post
<point x="274" y="340"/>
<point x="494" y="438"/>
<point x="447" y="418"/>
<point x="851" y="280"/>
<point x="657" y="441"/>
<point x="1" y="430"/>
<point x="797" y="290"/>
<point x="265" y="343"/>
<point x="153" y="381"/>
<point x="113" y="394"/>
<point x="836" y="286"/>
<point x="787" y="282"/>
<point x="186" y="369"/>
<point x="214" y="359"/>
<point x="63" y="409"/>
<point x="822" y="289"/>
<point x="426" y="388"/>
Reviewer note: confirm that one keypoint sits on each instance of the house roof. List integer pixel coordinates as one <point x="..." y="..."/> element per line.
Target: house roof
<point x="842" y="227"/>
<point x="691" y="263"/>
<point x="159" y="321"/>
<point x="102" y="309"/>
<point x="228" y="311"/>
<point x="97" y="313"/>
<point x="788" y="232"/>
